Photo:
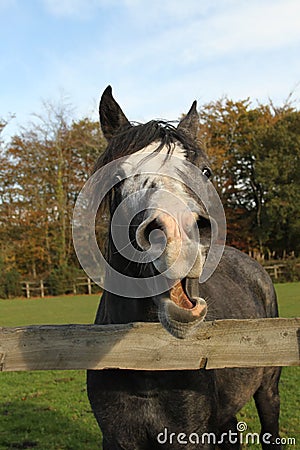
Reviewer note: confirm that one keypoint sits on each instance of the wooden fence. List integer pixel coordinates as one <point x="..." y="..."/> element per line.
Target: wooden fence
<point x="39" y="288"/>
<point x="276" y="270"/>
<point x="147" y="346"/>
<point x="281" y="269"/>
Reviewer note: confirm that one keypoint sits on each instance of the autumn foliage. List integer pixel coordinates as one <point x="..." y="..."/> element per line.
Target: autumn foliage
<point x="254" y="151"/>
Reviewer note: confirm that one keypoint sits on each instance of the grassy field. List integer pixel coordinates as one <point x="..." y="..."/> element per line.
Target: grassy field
<point x="50" y="411"/>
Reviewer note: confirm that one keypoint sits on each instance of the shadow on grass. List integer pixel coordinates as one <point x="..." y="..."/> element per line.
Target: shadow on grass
<point x="27" y="425"/>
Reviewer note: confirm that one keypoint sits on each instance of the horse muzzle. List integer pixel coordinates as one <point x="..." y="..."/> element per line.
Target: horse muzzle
<point x="179" y="313"/>
<point x="173" y="244"/>
<point x="172" y="241"/>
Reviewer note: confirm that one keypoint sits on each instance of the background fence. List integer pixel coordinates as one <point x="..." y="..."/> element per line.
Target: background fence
<point x="84" y="285"/>
<point x="39" y="288"/>
<point x="67" y="280"/>
<point x="285" y="271"/>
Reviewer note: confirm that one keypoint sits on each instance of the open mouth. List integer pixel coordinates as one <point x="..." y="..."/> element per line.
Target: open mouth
<point x="179" y="312"/>
<point x="180" y="296"/>
<point x="181" y="309"/>
<point x="186" y="306"/>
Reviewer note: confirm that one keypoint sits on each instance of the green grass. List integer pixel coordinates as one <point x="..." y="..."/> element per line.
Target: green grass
<point x="289" y="299"/>
<point x="289" y="306"/>
<point x="47" y="410"/>
<point x="50" y="310"/>
<point x="50" y="410"/>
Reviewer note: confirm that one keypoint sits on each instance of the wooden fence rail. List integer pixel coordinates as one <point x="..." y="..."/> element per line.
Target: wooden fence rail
<point x="275" y="270"/>
<point x="147" y="346"/>
<point x="39" y="288"/>
<point x="278" y="270"/>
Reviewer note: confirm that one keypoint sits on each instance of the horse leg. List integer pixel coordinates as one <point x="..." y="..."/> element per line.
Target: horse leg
<point x="229" y="437"/>
<point x="268" y="406"/>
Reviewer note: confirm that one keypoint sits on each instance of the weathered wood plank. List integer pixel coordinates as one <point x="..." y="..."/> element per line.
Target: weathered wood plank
<point x="147" y="346"/>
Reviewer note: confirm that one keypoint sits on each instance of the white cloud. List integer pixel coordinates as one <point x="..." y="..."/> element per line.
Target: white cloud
<point x="142" y="11"/>
<point x="222" y="50"/>
<point x="239" y="27"/>
<point x="196" y="29"/>
<point x="80" y="9"/>
<point x="256" y="26"/>
<point x="161" y="55"/>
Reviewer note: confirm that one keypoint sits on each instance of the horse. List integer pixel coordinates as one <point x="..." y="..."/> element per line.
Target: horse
<point x="148" y="410"/>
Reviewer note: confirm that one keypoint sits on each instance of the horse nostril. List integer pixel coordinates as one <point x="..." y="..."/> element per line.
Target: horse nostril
<point x="157" y="237"/>
<point x="154" y="233"/>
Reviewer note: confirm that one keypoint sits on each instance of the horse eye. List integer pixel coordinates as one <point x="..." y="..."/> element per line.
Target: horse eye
<point x="206" y="172"/>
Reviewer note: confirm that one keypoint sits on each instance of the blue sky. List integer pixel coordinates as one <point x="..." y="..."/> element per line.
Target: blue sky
<point x="159" y="55"/>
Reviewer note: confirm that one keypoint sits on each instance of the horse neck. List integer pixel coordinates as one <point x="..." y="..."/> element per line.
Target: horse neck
<point x="117" y="309"/>
<point x="124" y="309"/>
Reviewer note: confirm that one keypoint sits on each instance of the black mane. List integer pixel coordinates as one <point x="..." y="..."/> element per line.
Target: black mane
<point x="131" y="139"/>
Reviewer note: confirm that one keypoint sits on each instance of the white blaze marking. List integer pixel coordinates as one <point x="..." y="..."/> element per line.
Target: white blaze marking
<point x="177" y="150"/>
<point x="141" y="167"/>
<point x="128" y="166"/>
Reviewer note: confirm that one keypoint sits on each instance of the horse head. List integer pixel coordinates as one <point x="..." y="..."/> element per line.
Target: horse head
<point x="160" y="227"/>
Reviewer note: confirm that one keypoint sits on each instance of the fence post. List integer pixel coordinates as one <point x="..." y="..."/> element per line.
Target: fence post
<point x="275" y="272"/>
<point x="89" y="286"/>
<point x="27" y="290"/>
<point x="42" y="288"/>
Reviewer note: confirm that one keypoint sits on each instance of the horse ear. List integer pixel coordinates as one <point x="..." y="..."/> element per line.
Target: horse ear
<point x="190" y="123"/>
<point x="112" y="117"/>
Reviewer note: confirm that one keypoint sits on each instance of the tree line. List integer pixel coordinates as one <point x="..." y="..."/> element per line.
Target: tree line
<point x="254" y="152"/>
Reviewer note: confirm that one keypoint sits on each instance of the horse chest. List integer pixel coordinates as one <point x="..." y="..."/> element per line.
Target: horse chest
<point x="154" y="400"/>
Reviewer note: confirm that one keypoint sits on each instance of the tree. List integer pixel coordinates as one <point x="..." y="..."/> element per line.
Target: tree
<point x="255" y="152"/>
<point x="44" y="169"/>
<point x="281" y="162"/>
<point x="255" y="155"/>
